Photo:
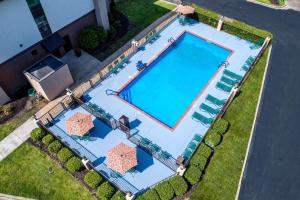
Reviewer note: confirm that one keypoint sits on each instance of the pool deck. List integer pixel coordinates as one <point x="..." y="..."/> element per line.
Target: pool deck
<point x="150" y="171"/>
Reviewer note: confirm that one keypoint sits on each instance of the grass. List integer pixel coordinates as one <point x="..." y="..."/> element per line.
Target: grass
<point x="269" y="2"/>
<point x="223" y="173"/>
<point x="140" y="13"/>
<point x="25" y="173"/>
<point x="11" y="125"/>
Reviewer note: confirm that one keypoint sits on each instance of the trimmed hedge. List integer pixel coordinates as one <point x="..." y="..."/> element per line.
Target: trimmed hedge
<point x="105" y="191"/>
<point x="92" y="36"/>
<point x="37" y="134"/>
<point x="149" y="195"/>
<point x="221" y="126"/>
<point x="198" y="160"/>
<point x="93" y="179"/>
<point x="213" y="138"/>
<point x="193" y="174"/>
<point x="179" y="185"/>
<point x="164" y="190"/>
<point x="74" y="164"/>
<point x="47" y="139"/>
<point x="118" y="196"/>
<point x="54" y="146"/>
<point x="204" y="150"/>
<point x="64" y="154"/>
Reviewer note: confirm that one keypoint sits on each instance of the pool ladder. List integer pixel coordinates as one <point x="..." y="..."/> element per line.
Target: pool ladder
<point x="171" y="40"/>
<point x="225" y="63"/>
<point x="111" y="92"/>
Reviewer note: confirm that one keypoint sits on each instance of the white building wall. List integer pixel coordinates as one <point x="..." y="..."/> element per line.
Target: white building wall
<point x="60" y="13"/>
<point x="17" y="27"/>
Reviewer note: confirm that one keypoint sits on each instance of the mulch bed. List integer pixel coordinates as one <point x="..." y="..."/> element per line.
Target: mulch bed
<point x="79" y="176"/>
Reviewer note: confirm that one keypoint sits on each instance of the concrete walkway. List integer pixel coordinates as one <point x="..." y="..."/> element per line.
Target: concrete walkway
<point x="293" y="4"/>
<point x="16" y="138"/>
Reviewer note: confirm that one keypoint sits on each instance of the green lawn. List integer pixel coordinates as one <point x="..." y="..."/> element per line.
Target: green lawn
<point x="223" y="173"/>
<point x="11" y="125"/>
<point x="140" y="13"/>
<point x="25" y="173"/>
<point x="281" y="2"/>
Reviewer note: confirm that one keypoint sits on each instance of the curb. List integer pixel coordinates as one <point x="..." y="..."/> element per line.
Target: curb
<point x="284" y="7"/>
<point x="253" y="125"/>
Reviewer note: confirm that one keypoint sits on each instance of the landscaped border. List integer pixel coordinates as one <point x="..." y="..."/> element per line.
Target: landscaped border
<point x="233" y="27"/>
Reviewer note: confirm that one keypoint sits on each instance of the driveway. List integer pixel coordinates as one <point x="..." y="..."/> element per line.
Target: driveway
<point x="273" y="166"/>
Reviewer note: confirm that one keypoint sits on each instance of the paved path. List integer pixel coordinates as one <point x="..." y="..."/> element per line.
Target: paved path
<point x="273" y="166"/>
<point x="16" y="138"/>
<point x="293" y="4"/>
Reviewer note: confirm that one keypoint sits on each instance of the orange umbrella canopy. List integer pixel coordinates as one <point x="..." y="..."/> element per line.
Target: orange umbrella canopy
<point x="185" y="10"/>
<point x="79" y="124"/>
<point x="121" y="158"/>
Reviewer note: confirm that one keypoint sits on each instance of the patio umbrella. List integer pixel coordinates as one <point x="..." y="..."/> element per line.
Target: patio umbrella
<point x="79" y="124"/>
<point x="185" y="10"/>
<point x="121" y="158"/>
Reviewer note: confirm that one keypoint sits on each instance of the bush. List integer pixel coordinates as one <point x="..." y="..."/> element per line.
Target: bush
<point x="47" y="139"/>
<point x="37" y="134"/>
<point x="213" y="138"/>
<point x="64" y="154"/>
<point x="105" y="191"/>
<point x="117" y="25"/>
<point x="118" y="196"/>
<point x="74" y="164"/>
<point x="112" y="33"/>
<point x="198" y="160"/>
<point x="164" y="190"/>
<point x="179" y="185"/>
<point x="55" y="146"/>
<point x="91" y="37"/>
<point x="221" y="126"/>
<point x="149" y="195"/>
<point x="93" y="179"/>
<point x="6" y="109"/>
<point x="193" y="174"/>
<point x="204" y="150"/>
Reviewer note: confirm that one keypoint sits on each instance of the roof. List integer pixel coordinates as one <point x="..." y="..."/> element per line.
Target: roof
<point x="44" y="67"/>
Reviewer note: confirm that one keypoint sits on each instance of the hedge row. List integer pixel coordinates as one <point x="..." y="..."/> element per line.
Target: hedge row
<point x="233" y="27"/>
<point x="175" y="186"/>
<point x="93" y="179"/>
<point x="105" y="191"/>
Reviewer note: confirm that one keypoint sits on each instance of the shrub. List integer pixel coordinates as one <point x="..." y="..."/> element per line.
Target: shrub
<point x="149" y="195"/>
<point x="117" y="25"/>
<point x="179" y="185"/>
<point x="93" y="179"/>
<point x="112" y="33"/>
<point x="6" y="109"/>
<point x="37" y="134"/>
<point x="204" y="150"/>
<point x="221" y="126"/>
<point x="47" y="139"/>
<point x="105" y="191"/>
<point x="193" y="174"/>
<point x="74" y="164"/>
<point x="55" y="146"/>
<point x="91" y="36"/>
<point x="118" y="196"/>
<point x="64" y="154"/>
<point x="164" y="190"/>
<point x="198" y="160"/>
<point x="213" y="138"/>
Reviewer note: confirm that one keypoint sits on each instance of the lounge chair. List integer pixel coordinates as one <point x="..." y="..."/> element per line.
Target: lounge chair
<point x="246" y="67"/>
<point x="197" y="138"/>
<point x="192" y="146"/>
<point x="232" y="75"/>
<point x="204" y="120"/>
<point x="223" y="87"/>
<point x="209" y="109"/>
<point x="145" y="141"/>
<point x="215" y="100"/>
<point x="229" y="81"/>
<point x="164" y="155"/>
<point x="154" y="147"/>
<point x="187" y="154"/>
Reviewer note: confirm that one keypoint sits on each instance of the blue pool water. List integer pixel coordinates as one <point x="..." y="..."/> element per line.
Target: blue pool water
<point x="170" y="84"/>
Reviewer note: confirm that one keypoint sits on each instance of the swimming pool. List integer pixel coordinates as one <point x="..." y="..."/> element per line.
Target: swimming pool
<point x="167" y="88"/>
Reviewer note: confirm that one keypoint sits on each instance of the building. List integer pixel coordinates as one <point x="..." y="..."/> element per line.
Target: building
<point x="31" y="29"/>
